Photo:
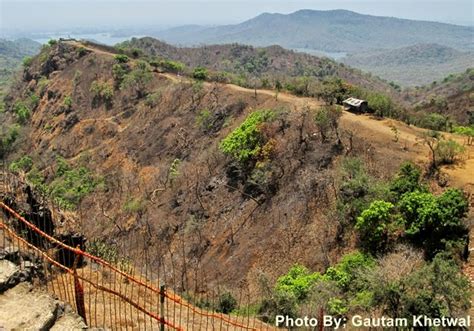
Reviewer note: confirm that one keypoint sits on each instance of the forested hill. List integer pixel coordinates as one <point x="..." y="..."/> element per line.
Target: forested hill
<point x="331" y="31"/>
<point x="11" y="54"/>
<point x="270" y="63"/>
<point x="413" y="65"/>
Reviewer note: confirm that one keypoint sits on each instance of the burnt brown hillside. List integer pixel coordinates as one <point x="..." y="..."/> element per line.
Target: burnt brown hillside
<point x="150" y="156"/>
<point x="304" y="74"/>
<point x="453" y="97"/>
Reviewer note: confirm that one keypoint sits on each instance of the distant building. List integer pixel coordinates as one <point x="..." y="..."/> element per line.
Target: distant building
<point x="356" y="105"/>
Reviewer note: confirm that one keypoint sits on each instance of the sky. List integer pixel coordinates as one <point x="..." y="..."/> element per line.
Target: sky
<point x="44" y="15"/>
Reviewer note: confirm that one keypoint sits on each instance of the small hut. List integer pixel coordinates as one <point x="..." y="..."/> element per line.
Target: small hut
<point x="356" y="105"/>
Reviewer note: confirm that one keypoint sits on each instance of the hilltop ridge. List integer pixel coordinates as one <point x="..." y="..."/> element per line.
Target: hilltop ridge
<point x="331" y="31"/>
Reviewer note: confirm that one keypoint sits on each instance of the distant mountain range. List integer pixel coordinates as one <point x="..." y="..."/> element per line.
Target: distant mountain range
<point x="413" y="65"/>
<point x="329" y="31"/>
<point x="11" y="54"/>
<point x="18" y="48"/>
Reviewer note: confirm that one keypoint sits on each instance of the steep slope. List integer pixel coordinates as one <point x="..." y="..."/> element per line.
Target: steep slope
<point x="167" y="193"/>
<point x="331" y="31"/>
<point x="413" y="65"/>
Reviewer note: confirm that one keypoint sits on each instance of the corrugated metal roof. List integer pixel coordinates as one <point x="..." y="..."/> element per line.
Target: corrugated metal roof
<point x="354" y="102"/>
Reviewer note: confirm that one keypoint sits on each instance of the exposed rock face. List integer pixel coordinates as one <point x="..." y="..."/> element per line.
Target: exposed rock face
<point x="7" y="271"/>
<point x="24" y="307"/>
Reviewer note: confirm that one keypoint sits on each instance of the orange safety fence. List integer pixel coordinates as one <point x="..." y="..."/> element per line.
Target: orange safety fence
<point x="115" y="302"/>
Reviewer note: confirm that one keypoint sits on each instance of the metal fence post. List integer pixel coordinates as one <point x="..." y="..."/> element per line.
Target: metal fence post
<point x="162" y="307"/>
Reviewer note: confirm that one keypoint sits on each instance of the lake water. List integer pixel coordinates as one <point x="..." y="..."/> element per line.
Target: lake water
<point x="319" y="53"/>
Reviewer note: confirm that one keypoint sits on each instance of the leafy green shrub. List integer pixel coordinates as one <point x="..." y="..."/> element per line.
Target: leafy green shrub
<point x="246" y="141"/>
<point x="42" y="85"/>
<point x="447" y="151"/>
<point x="467" y="131"/>
<point x="407" y="179"/>
<point x="337" y="307"/>
<point x="138" y="78"/>
<point x="356" y="189"/>
<point x="297" y="282"/>
<point x="71" y="185"/>
<point x="119" y="70"/>
<point x="22" y="112"/>
<point x="67" y="102"/>
<point x="434" y="121"/>
<point x="121" y="58"/>
<point x="134" y="205"/>
<point x="436" y="289"/>
<point x="102" y="92"/>
<point x="281" y="303"/>
<point x="173" y="171"/>
<point x="346" y="271"/>
<point x="200" y="73"/>
<point x="25" y="163"/>
<point x="8" y="139"/>
<point x="108" y="253"/>
<point x="153" y="99"/>
<point x="81" y="51"/>
<point x="204" y="119"/>
<point x="226" y="303"/>
<point x="172" y="66"/>
<point x="333" y="90"/>
<point x="27" y="61"/>
<point x="52" y="42"/>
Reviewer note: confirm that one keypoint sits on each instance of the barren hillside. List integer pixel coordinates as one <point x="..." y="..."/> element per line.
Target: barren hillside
<point x="154" y="175"/>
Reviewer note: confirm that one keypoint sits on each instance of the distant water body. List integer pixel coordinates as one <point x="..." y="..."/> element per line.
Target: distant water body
<point x="317" y="52"/>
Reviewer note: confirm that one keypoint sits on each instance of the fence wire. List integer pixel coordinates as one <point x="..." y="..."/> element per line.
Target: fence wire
<point x="105" y="295"/>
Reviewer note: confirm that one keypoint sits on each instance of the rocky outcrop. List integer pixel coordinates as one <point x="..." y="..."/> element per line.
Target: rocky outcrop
<point x="22" y="306"/>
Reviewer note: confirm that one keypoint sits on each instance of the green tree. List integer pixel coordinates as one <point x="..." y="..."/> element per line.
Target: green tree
<point x="227" y="303"/>
<point x="297" y="282"/>
<point x="334" y="90"/>
<point x="374" y="226"/>
<point x="138" y="78"/>
<point x="246" y="141"/>
<point x="344" y="273"/>
<point x="437" y="289"/>
<point x="434" y="121"/>
<point x="200" y="73"/>
<point x="380" y="104"/>
<point x="467" y="131"/>
<point x="102" y="92"/>
<point x="327" y="118"/>
<point x="407" y="179"/>
<point x="435" y="223"/>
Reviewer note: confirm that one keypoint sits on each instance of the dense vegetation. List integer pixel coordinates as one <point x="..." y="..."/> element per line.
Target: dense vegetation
<point x="388" y="275"/>
<point x="12" y="54"/>
<point x="66" y="186"/>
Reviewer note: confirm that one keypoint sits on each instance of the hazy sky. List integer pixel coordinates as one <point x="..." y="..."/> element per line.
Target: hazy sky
<point x="42" y="15"/>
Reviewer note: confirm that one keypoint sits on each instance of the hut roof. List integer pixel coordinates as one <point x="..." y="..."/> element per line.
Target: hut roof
<point x="354" y="102"/>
